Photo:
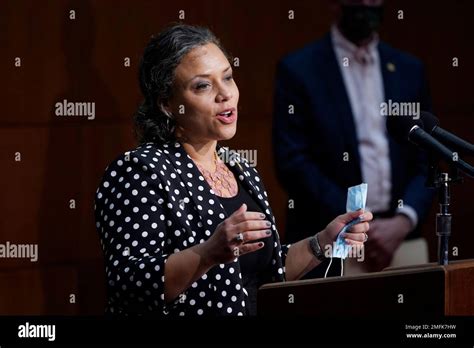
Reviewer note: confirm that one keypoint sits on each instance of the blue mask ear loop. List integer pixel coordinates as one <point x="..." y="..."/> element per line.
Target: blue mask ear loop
<point x="362" y="199"/>
<point x="327" y="269"/>
<point x="329" y="266"/>
<point x="353" y="222"/>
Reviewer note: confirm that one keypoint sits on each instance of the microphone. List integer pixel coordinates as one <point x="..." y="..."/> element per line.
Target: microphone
<point x="431" y="125"/>
<point x="405" y="128"/>
<point x="399" y="127"/>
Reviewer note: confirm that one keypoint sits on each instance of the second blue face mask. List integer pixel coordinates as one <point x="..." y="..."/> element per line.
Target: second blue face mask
<point x="356" y="199"/>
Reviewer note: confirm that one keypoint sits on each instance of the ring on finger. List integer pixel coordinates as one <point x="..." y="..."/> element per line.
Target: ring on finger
<point x="239" y="237"/>
<point x="366" y="237"/>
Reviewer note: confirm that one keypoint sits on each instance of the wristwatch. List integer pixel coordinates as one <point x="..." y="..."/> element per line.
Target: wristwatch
<point x="316" y="248"/>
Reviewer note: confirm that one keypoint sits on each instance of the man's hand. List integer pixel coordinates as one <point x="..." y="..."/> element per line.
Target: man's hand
<point x="385" y="236"/>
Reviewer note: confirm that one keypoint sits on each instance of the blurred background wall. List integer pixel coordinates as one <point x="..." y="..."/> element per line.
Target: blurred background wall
<point x="47" y="196"/>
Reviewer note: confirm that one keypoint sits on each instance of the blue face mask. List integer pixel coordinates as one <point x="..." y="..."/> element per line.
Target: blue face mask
<point x="356" y="199"/>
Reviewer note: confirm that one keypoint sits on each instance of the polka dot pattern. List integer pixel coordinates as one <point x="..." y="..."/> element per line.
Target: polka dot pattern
<point x="136" y="211"/>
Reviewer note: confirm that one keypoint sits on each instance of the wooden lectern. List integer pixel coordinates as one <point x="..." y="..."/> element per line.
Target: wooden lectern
<point x="422" y="290"/>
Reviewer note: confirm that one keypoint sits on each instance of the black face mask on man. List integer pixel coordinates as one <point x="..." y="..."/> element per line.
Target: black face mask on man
<point x="358" y="22"/>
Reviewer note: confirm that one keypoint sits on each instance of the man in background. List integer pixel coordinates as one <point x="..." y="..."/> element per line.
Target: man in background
<point x="329" y="134"/>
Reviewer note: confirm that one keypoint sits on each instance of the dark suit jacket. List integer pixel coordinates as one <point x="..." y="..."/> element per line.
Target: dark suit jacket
<point x="309" y="144"/>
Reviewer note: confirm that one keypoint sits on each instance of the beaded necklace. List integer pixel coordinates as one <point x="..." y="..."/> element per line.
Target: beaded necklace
<point x="221" y="180"/>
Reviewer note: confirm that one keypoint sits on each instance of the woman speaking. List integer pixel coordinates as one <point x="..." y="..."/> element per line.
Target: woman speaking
<point x="183" y="232"/>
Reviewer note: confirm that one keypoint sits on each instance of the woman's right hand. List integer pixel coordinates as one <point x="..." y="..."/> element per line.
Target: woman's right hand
<point x="223" y="246"/>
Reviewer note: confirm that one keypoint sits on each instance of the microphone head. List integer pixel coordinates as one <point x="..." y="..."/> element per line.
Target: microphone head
<point x="429" y="120"/>
<point x="399" y="127"/>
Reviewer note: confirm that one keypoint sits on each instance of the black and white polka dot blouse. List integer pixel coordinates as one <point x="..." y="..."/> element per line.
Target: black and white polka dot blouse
<point x="153" y="202"/>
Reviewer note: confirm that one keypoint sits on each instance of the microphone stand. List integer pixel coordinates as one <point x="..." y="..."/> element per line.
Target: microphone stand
<point x="442" y="182"/>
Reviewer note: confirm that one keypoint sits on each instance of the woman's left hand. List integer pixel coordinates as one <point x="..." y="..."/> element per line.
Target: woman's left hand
<point x="355" y="235"/>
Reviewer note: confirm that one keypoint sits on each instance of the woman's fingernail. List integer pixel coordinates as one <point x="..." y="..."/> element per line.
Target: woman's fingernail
<point x="262" y="216"/>
<point x="268" y="232"/>
<point x="268" y="223"/>
<point x="260" y="244"/>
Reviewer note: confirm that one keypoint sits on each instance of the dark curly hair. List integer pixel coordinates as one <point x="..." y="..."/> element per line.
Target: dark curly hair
<point x="162" y="55"/>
